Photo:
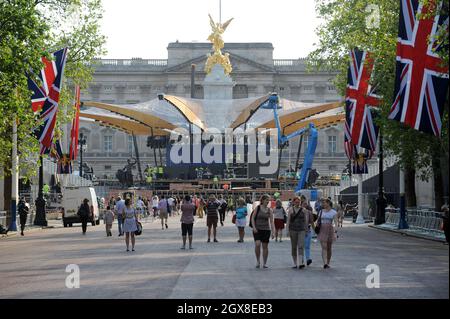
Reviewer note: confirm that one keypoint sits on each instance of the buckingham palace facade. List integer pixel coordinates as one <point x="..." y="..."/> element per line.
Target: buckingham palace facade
<point x="255" y="73"/>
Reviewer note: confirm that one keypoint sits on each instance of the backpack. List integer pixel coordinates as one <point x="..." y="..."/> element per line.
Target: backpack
<point x="82" y="212"/>
<point x="251" y="216"/>
<point x="223" y="206"/>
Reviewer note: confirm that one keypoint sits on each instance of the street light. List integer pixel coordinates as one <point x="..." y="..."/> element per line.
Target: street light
<point x="82" y="146"/>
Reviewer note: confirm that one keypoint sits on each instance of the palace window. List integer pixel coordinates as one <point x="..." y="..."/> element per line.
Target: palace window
<point x="307" y="88"/>
<point x="130" y="144"/>
<point x="107" y="143"/>
<point x="132" y="101"/>
<point x="240" y="91"/>
<point x="332" y="144"/>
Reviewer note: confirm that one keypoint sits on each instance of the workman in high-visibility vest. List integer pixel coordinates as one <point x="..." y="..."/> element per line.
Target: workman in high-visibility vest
<point x="216" y="182"/>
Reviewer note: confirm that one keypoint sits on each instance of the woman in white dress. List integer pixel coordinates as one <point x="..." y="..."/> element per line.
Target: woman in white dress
<point x="327" y="234"/>
<point x="130" y="219"/>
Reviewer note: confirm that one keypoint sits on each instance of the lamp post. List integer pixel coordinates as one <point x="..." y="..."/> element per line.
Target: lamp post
<point x="381" y="200"/>
<point x="82" y="145"/>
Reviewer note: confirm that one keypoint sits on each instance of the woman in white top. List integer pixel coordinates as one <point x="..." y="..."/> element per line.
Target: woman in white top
<point x="327" y="235"/>
<point x="130" y="219"/>
<point x="155" y="203"/>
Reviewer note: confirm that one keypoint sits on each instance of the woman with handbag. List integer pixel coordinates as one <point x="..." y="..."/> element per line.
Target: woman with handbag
<point x="130" y="219"/>
<point x="326" y="231"/>
<point x="298" y="221"/>
<point x="241" y="218"/>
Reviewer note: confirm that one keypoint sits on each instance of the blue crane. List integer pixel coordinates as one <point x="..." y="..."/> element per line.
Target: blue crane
<point x="273" y="103"/>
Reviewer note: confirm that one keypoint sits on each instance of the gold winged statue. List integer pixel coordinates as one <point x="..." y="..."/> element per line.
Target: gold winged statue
<point x="216" y="39"/>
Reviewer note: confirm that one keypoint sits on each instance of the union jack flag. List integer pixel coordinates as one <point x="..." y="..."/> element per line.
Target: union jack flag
<point x="421" y="82"/>
<point x="45" y="98"/>
<point x="350" y="148"/>
<point x="360" y="129"/>
<point x="75" y="126"/>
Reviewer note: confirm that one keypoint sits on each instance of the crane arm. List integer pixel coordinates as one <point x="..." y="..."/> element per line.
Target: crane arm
<point x="273" y="103"/>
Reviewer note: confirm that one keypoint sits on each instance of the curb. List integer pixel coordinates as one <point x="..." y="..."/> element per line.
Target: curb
<point x="402" y="232"/>
<point x="27" y="230"/>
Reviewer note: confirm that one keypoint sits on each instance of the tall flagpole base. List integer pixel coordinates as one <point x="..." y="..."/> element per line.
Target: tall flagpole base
<point x="360" y="218"/>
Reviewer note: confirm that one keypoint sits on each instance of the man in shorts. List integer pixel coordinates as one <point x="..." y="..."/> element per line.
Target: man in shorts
<point x="212" y="216"/>
<point x="163" y="208"/>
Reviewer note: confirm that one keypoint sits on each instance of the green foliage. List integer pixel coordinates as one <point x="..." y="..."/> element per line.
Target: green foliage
<point x="22" y="37"/>
<point x="348" y="24"/>
<point x="30" y="29"/>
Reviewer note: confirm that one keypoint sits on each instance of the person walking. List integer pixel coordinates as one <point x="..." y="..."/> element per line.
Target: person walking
<point x="279" y="217"/>
<point x="109" y="219"/>
<point x="120" y="206"/>
<point x="140" y="206"/>
<point x="263" y="227"/>
<point x="297" y="222"/>
<point x="85" y="212"/>
<point x="230" y="204"/>
<point x="178" y="202"/>
<point x="309" y="230"/>
<point x="241" y="218"/>
<point x="200" y="204"/>
<point x="23" y="214"/>
<point x="187" y="220"/>
<point x="212" y="216"/>
<point x="171" y="202"/>
<point x="327" y="234"/>
<point x="222" y="209"/>
<point x="155" y="204"/>
<point x="130" y="219"/>
<point x="340" y="213"/>
<point x="163" y="208"/>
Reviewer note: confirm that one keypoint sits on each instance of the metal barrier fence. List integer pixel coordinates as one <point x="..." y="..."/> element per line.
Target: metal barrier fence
<point x="423" y="221"/>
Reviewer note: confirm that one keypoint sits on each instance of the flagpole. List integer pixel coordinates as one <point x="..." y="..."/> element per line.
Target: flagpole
<point x="40" y="219"/>
<point x="360" y="218"/>
<point x="15" y="178"/>
<point x="402" y="224"/>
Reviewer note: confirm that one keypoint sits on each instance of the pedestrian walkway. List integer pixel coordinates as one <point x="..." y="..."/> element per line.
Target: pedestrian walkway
<point x="34" y="266"/>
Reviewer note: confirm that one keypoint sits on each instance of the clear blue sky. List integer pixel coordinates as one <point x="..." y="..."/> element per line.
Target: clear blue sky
<point x="143" y="28"/>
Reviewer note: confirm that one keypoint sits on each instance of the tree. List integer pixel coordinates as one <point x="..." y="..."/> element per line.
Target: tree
<point x="22" y="37"/>
<point x="30" y="29"/>
<point x="373" y="26"/>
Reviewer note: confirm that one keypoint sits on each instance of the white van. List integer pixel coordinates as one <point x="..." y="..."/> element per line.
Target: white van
<point x="71" y="201"/>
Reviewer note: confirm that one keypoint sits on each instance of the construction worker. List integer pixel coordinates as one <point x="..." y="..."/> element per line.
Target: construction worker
<point x="216" y="182"/>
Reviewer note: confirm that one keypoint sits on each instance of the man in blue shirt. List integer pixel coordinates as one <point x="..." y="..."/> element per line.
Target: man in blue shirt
<point x="120" y="206"/>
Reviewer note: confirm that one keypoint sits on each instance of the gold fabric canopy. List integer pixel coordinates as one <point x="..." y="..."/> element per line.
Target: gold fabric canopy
<point x="168" y="112"/>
